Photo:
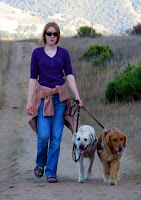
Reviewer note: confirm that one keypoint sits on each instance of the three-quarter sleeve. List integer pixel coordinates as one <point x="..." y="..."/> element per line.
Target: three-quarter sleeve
<point x="67" y="64"/>
<point x="34" y="72"/>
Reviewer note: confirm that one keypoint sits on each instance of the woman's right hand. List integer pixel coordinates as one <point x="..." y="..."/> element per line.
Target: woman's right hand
<point x="32" y="85"/>
<point x="29" y="108"/>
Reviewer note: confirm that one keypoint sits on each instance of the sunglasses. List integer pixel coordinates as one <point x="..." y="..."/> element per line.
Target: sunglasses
<point x="55" y="34"/>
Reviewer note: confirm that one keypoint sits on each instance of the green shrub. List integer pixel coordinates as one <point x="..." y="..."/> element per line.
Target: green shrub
<point x="86" y="31"/>
<point x="98" y="54"/>
<point x="126" y="86"/>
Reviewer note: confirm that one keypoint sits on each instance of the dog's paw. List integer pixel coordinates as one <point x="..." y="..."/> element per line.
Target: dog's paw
<point x="88" y="177"/>
<point x="118" y="177"/>
<point x="105" y="180"/>
<point x="81" y="180"/>
<point x="112" y="182"/>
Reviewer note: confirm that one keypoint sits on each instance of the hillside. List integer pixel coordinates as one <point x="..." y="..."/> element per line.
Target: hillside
<point x="16" y="21"/>
<point x="107" y="17"/>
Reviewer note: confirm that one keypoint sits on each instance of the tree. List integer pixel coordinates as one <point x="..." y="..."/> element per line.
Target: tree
<point x="136" y="30"/>
<point x="86" y="31"/>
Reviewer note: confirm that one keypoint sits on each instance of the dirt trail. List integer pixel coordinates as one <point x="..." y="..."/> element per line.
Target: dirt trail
<point x="18" y="151"/>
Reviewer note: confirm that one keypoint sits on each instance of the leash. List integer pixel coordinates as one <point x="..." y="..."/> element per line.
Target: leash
<point x="77" y="109"/>
<point x="94" y="119"/>
<point x="74" y="154"/>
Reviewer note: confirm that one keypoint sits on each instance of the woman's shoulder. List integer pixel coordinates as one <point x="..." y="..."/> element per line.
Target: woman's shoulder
<point x="38" y="49"/>
<point x="62" y="50"/>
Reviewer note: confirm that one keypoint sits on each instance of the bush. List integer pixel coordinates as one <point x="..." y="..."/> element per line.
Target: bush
<point x="136" y="30"/>
<point x="98" y="54"/>
<point x="86" y="31"/>
<point x="126" y="86"/>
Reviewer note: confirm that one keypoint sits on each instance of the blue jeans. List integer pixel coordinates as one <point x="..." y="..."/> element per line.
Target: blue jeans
<point x="49" y="136"/>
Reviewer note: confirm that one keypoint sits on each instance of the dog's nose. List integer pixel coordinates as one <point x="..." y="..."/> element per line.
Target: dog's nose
<point x="120" y="148"/>
<point x="81" y="146"/>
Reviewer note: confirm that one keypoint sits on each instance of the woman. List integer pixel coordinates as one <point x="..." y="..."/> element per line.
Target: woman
<point x="49" y="63"/>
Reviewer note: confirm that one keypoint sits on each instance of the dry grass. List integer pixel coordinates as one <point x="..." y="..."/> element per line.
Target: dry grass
<point x="92" y="87"/>
<point x="4" y="65"/>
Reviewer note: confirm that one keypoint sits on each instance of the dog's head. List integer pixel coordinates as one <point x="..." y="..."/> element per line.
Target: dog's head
<point x="83" y="138"/>
<point x="116" y="141"/>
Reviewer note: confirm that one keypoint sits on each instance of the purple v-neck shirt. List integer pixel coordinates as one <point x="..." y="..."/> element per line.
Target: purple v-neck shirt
<point x="50" y="71"/>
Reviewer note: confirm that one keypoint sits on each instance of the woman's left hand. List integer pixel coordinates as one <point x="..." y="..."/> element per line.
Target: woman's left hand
<point x="80" y="102"/>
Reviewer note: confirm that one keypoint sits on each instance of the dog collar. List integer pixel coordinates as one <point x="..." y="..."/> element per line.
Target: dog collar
<point x="106" y="131"/>
<point x="94" y="142"/>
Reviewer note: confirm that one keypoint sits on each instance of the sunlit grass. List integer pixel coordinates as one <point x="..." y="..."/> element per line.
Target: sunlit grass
<point x="4" y="65"/>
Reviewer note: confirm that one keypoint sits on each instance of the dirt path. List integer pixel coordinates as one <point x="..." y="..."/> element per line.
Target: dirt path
<point x="18" y="151"/>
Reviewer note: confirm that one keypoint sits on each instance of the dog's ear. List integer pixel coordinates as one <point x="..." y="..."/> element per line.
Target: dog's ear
<point x="73" y="137"/>
<point x="125" y="140"/>
<point x="91" y="138"/>
<point x="108" y="141"/>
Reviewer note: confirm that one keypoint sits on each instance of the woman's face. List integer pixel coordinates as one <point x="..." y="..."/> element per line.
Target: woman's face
<point x="51" y="36"/>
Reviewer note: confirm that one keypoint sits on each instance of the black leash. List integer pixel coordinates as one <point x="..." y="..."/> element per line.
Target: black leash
<point x="77" y="109"/>
<point x="94" y="118"/>
<point x="74" y="154"/>
<point x="77" y="120"/>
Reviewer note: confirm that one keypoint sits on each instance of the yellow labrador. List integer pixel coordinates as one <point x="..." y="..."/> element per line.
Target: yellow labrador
<point x="85" y="144"/>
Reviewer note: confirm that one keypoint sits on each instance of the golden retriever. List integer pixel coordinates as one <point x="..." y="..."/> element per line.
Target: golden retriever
<point x="85" y="144"/>
<point x="110" y="147"/>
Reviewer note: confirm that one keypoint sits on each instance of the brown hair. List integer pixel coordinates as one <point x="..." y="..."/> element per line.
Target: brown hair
<point x="48" y="25"/>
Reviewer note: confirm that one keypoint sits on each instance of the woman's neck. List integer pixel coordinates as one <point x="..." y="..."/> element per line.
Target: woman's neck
<point x="50" y="47"/>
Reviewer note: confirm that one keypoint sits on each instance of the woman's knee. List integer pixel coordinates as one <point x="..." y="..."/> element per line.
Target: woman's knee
<point x="43" y="139"/>
<point x="55" y="141"/>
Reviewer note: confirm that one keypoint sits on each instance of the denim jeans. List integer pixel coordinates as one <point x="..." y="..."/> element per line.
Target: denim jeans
<point x="49" y="136"/>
